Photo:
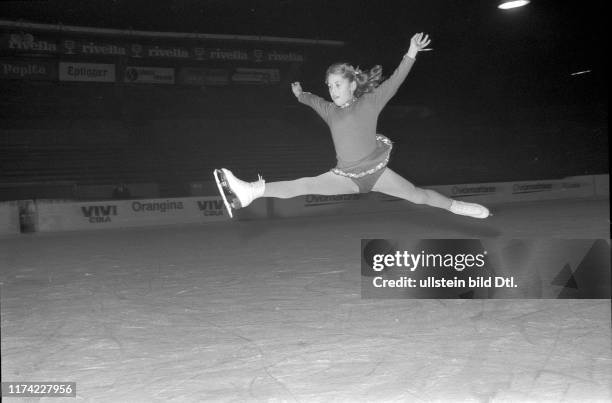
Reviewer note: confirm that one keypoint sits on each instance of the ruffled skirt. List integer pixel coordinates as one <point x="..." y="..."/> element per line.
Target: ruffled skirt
<point x="369" y="165"/>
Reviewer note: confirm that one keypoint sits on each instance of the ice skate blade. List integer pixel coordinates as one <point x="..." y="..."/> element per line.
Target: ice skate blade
<point x="222" y="185"/>
<point x="231" y="196"/>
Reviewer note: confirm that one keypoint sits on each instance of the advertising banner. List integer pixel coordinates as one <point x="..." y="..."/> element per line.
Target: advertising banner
<point x="94" y="47"/>
<point x="148" y="75"/>
<point x="28" y="42"/>
<point x="312" y="205"/>
<point x="244" y="75"/>
<point x="68" y="216"/>
<point x="218" y="50"/>
<point x="28" y="70"/>
<point x="90" y="72"/>
<point x="203" y="76"/>
<point x="476" y="192"/>
<point x="566" y="188"/>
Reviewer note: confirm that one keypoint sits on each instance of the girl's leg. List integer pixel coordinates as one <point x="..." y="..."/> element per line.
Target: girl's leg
<point x="325" y="184"/>
<point x="243" y="193"/>
<point x="394" y="185"/>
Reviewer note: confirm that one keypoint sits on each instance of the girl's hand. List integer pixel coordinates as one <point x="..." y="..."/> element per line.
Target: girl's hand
<point x="417" y="43"/>
<point x="296" y="88"/>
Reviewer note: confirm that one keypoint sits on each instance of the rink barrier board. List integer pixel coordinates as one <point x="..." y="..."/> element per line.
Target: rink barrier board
<point x="9" y="218"/>
<point x="485" y="193"/>
<point x="69" y="215"/>
<point x="602" y="185"/>
<point x="62" y="216"/>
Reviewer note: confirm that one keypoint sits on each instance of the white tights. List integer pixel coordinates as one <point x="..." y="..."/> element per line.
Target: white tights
<point x="331" y="184"/>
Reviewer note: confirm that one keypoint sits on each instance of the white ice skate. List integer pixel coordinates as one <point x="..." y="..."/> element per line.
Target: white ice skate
<point x="236" y="193"/>
<point x="469" y="209"/>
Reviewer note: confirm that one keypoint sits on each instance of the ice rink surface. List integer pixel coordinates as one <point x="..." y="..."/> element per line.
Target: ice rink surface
<point x="271" y="311"/>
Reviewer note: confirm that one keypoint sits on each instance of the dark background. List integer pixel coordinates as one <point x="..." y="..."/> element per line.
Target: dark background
<point x="521" y="54"/>
<point x="496" y="99"/>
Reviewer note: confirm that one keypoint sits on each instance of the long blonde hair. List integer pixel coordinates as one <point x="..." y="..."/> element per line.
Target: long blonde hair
<point x="366" y="81"/>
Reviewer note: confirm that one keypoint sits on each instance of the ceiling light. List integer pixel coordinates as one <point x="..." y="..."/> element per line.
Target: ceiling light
<point x="508" y="4"/>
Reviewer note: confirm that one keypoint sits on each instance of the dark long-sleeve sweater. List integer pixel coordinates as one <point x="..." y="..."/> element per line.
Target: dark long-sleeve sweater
<point x="353" y="128"/>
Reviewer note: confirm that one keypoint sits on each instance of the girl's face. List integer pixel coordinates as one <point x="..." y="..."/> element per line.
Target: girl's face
<point x="340" y="89"/>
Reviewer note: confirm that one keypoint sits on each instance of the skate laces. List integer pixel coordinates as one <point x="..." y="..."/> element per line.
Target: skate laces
<point x="259" y="182"/>
<point x="258" y="187"/>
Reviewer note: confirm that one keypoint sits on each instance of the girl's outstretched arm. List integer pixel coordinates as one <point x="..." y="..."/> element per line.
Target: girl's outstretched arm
<point x="320" y="105"/>
<point x="389" y="87"/>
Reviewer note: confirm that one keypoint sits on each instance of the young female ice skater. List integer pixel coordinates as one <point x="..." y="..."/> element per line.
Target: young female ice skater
<point x="358" y="98"/>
